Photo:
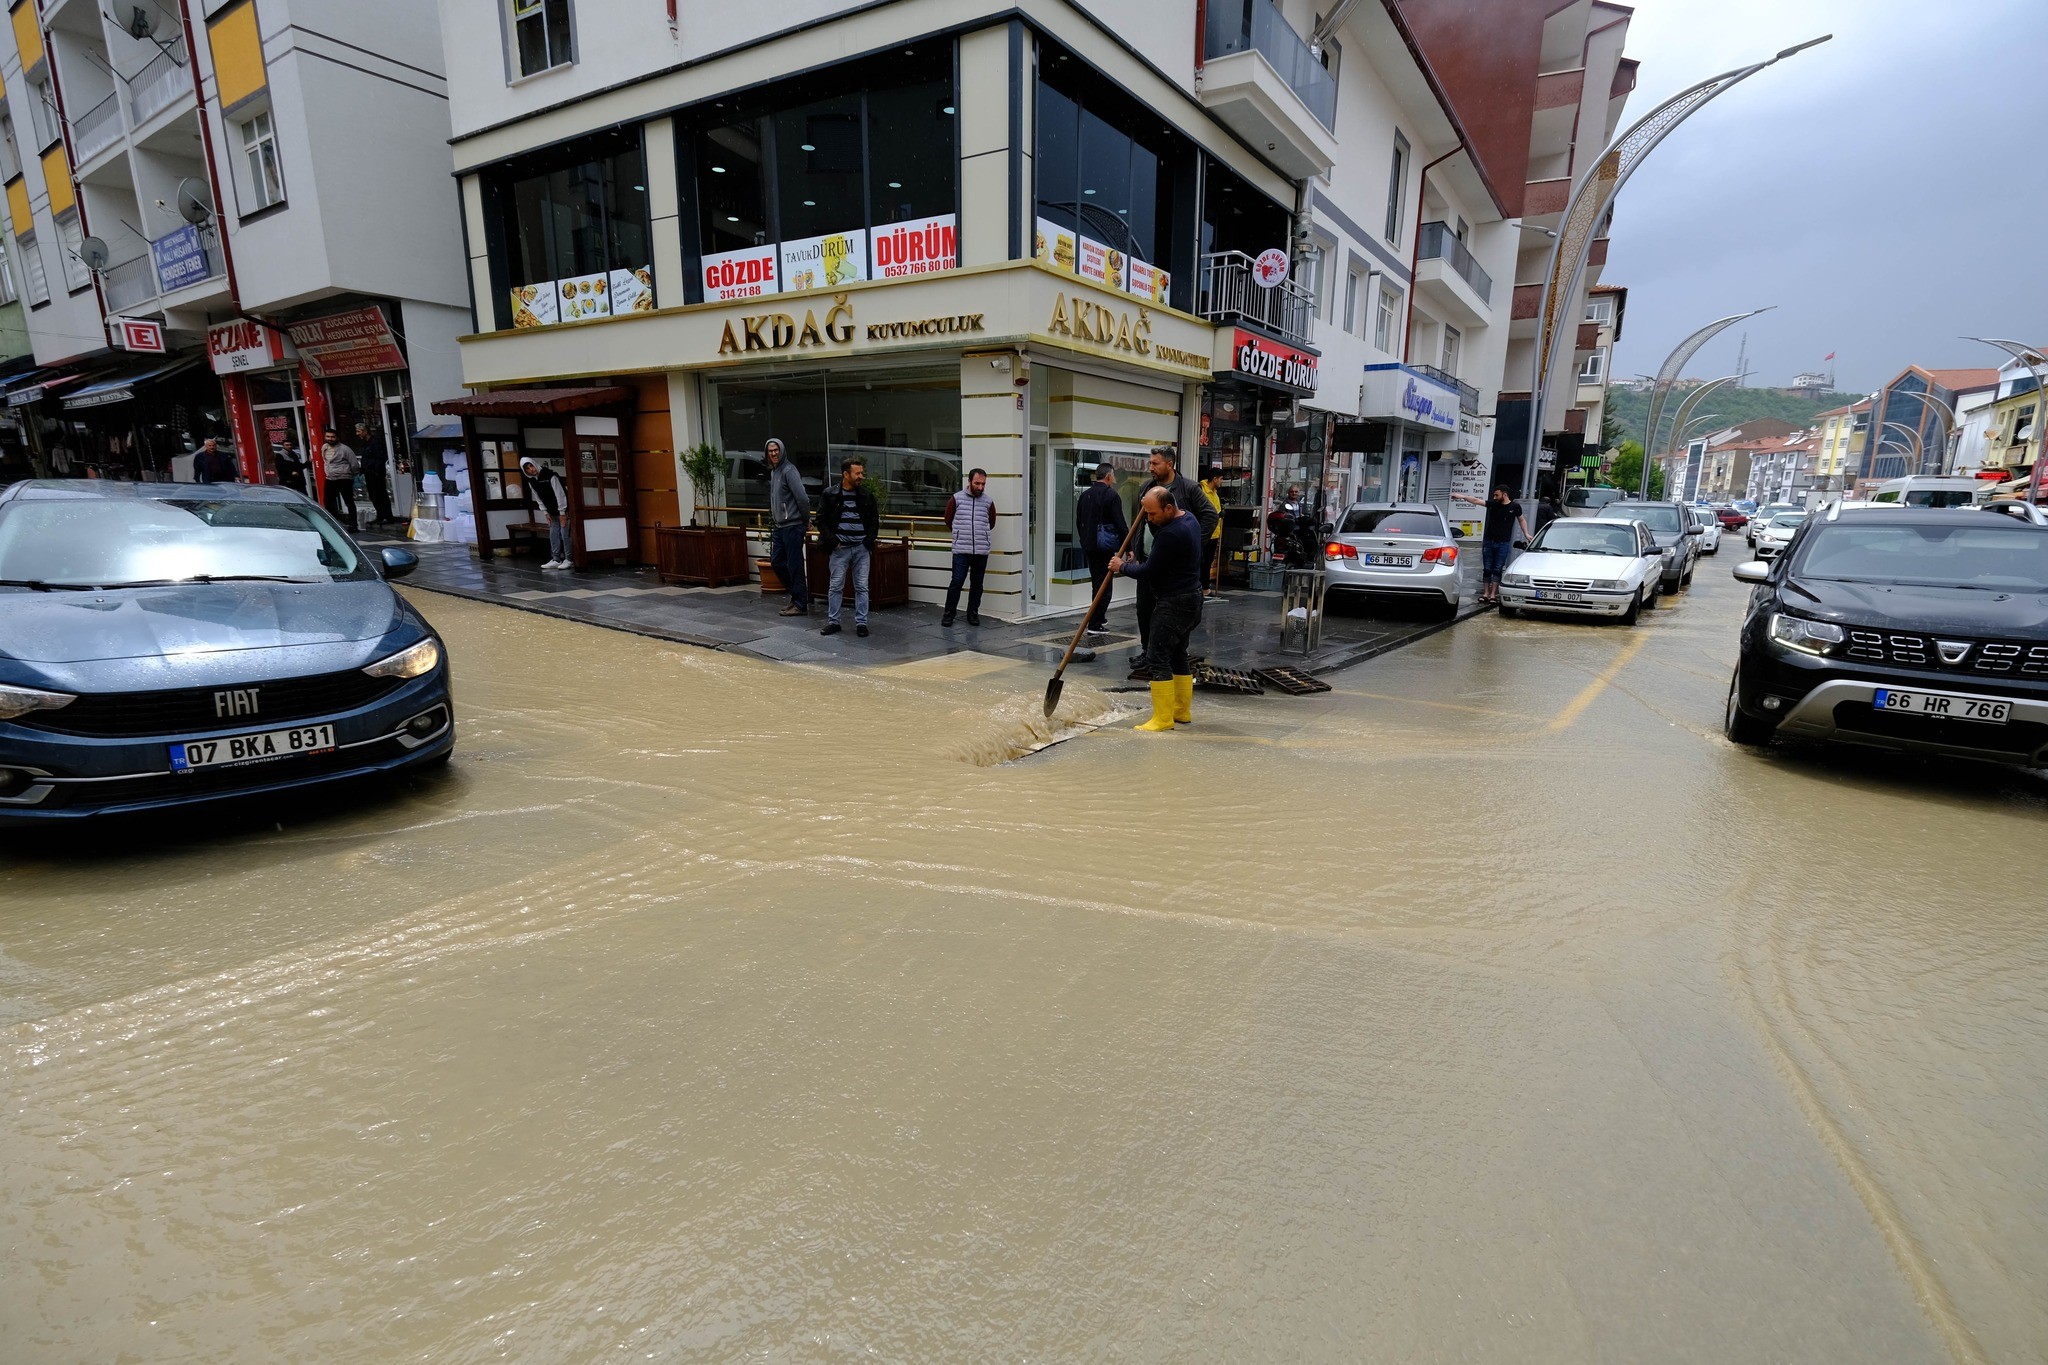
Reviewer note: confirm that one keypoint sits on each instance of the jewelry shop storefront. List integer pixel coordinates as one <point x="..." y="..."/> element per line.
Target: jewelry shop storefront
<point x="1030" y="373"/>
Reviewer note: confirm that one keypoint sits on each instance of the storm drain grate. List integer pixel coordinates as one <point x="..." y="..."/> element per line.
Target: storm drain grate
<point x="1293" y="681"/>
<point x="1228" y="680"/>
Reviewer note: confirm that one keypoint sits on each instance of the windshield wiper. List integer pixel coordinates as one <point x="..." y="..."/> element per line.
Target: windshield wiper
<point x="248" y="578"/>
<point x="40" y="586"/>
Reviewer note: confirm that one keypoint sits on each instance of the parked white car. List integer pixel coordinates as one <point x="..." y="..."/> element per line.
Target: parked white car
<point x="1762" y="518"/>
<point x="1777" y="533"/>
<point x="1710" y="527"/>
<point x="1585" y="566"/>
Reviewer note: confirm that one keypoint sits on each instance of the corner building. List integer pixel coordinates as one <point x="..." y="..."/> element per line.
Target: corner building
<point x="935" y="234"/>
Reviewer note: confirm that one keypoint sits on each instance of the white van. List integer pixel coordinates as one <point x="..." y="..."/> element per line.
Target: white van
<point x="1926" y="490"/>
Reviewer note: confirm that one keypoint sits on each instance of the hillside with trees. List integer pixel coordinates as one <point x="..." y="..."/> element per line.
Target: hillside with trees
<point x="1734" y="406"/>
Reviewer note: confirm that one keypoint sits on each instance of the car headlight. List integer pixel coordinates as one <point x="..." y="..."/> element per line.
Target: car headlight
<point x="1515" y="580"/>
<point x="1808" y="637"/>
<point x="19" y="701"/>
<point x="410" y="662"/>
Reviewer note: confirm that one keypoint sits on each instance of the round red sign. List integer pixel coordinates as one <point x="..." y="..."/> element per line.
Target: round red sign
<point x="1271" y="267"/>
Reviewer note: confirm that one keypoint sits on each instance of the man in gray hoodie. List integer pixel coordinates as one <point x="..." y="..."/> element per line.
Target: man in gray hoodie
<point x="789" y="509"/>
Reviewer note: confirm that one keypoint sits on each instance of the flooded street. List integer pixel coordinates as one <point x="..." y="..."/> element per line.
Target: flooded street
<point x="1489" y="1008"/>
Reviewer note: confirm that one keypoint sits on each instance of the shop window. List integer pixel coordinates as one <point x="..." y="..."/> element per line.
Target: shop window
<point x="258" y="180"/>
<point x="35" y="281"/>
<point x="843" y="175"/>
<point x="1108" y="178"/>
<point x="71" y="248"/>
<point x="542" y="35"/>
<point x="575" y="232"/>
<point x="1237" y="217"/>
<point x="1397" y="191"/>
<point x="1386" y="329"/>
<point x="905" y="424"/>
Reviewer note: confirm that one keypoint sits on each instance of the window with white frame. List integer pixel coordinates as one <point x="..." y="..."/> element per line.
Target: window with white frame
<point x="1386" y="328"/>
<point x="1599" y="310"/>
<point x="1452" y="342"/>
<point x="1397" y="191"/>
<point x="259" y="182"/>
<point x="542" y="35"/>
<point x="42" y="108"/>
<point x="70" y="249"/>
<point x="1354" y="284"/>
<point x="1595" y="366"/>
<point x="10" y="150"/>
<point x="8" y="293"/>
<point x="35" y="282"/>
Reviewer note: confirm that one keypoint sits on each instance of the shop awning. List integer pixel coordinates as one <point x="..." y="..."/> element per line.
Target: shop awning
<point x="121" y="385"/>
<point x="33" y="388"/>
<point x="439" y="431"/>
<point x="532" y="402"/>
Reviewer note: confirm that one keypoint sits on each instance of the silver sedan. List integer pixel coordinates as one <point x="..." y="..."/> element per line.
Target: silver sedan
<point x="1395" y="549"/>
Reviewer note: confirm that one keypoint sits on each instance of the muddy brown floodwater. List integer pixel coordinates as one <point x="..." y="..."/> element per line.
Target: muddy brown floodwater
<point x="1489" y="1008"/>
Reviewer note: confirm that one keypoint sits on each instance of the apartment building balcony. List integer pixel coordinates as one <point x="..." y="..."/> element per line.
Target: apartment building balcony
<point x="1261" y="81"/>
<point x="129" y="285"/>
<point x="1468" y="397"/>
<point x="156" y="87"/>
<point x="1596" y="254"/>
<point x="1450" y="279"/>
<point x="1544" y="201"/>
<point x="1229" y="292"/>
<point x="97" y="130"/>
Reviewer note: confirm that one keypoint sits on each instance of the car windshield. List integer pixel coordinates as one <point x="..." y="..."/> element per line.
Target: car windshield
<point x="128" y="542"/>
<point x="1656" y="516"/>
<point x="1788" y="520"/>
<point x="1590" y="497"/>
<point x="1386" y="521"/>
<point x="1991" y="556"/>
<point x="1585" y="538"/>
<point x="1941" y="497"/>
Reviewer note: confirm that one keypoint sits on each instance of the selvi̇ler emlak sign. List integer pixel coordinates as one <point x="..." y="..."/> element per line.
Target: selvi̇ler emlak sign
<point x="832" y="260"/>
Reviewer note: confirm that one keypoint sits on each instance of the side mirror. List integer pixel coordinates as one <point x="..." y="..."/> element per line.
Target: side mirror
<point x="1695" y="530"/>
<point x="398" y="563"/>
<point x="1755" y="571"/>
<point x="1651" y="551"/>
<point x="1521" y="545"/>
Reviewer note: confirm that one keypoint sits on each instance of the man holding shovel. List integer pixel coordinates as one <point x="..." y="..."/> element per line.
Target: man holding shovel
<point x="1187" y="496"/>
<point x="1173" y="573"/>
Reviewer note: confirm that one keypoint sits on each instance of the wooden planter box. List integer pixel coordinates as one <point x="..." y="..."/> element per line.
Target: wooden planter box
<point x="888" y="573"/>
<point x="703" y="556"/>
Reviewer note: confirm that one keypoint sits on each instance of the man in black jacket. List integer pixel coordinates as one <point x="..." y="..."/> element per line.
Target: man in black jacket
<point x="1187" y="495"/>
<point x="1173" y="571"/>
<point x="1099" y="522"/>
<point x="848" y="524"/>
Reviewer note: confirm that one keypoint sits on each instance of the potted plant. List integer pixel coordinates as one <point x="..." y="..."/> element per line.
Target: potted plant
<point x="703" y="553"/>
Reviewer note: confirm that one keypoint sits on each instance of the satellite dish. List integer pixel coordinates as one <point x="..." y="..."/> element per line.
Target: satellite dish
<point x="94" y="253"/>
<point x="193" y="205"/>
<point x="141" y="22"/>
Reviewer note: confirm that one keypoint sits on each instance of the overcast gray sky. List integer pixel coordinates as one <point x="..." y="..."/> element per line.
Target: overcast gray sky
<point x="1888" y="191"/>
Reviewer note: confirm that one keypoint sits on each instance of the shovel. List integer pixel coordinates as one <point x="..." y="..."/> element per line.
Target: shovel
<point x="1052" y="689"/>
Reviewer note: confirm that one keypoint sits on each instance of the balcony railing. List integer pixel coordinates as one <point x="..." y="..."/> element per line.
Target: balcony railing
<point x="1439" y="243"/>
<point x="129" y="284"/>
<point x="97" y="129"/>
<point x="156" y="87"/>
<point x="1230" y="291"/>
<point x="1468" y="397"/>
<point x="1258" y="26"/>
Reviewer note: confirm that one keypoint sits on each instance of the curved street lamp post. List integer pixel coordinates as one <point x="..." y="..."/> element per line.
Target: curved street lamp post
<point x="2036" y="361"/>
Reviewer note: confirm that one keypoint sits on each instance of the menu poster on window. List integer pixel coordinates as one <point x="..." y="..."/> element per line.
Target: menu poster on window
<point x="633" y="291"/>
<point x="1147" y="281"/>
<point x="1054" y="245"/>
<point x="533" y="305"/>
<point x="825" y="262"/>
<point x="1100" y="263"/>
<point x="744" y="274"/>
<point x="585" y="296"/>
<point x="915" y="248"/>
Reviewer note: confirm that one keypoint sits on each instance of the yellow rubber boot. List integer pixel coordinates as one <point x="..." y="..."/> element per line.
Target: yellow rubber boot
<point x="1162" y="708"/>
<point x="1184" y="698"/>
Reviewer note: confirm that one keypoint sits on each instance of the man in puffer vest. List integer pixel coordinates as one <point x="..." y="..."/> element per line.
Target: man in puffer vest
<point x="971" y="516"/>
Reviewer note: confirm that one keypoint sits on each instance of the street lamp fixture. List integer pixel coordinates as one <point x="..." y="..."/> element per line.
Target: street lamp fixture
<point x="2036" y="361"/>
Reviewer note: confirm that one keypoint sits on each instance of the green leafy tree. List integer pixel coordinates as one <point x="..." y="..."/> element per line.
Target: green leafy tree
<point x="1626" y="471"/>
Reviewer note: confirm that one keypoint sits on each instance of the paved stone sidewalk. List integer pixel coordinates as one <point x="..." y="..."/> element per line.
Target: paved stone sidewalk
<point x="1240" y="629"/>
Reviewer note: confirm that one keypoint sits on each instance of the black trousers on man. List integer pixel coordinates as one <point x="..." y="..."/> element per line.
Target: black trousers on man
<point x="379" y="489"/>
<point x="971" y="570"/>
<point x="1173" y="620"/>
<point x="1098" y="572"/>
<point x="341" y="502"/>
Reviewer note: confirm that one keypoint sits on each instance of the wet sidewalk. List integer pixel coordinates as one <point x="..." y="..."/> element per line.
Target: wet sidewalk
<point x="1240" y="629"/>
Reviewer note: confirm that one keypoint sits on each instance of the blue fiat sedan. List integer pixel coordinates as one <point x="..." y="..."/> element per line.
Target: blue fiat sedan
<point x="169" y="644"/>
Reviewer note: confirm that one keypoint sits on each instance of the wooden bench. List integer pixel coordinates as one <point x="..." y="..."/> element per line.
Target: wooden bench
<point x="520" y="531"/>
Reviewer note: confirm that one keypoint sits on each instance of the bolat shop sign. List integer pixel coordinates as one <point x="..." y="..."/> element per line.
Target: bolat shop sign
<point x="1269" y="362"/>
